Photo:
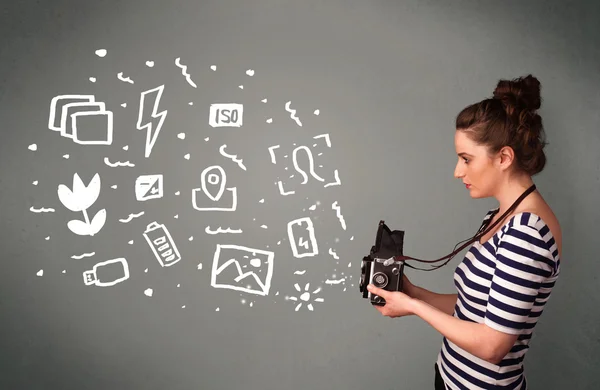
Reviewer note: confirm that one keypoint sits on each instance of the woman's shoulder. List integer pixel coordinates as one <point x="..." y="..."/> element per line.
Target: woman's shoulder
<point x="539" y="217"/>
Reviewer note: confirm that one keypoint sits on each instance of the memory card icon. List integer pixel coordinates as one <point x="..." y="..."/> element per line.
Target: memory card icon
<point x="301" y="234"/>
<point x="162" y="244"/>
<point x="149" y="187"/>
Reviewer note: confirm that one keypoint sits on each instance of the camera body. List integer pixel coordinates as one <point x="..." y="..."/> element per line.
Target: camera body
<point x="382" y="273"/>
<point x="380" y="267"/>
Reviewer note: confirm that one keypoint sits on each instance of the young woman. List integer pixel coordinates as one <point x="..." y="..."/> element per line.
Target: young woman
<point x="506" y="277"/>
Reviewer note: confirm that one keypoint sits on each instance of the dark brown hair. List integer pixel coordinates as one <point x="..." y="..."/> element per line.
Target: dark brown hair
<point x="509" y="118"/>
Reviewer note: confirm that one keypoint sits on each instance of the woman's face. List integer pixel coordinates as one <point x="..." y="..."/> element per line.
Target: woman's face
<point x="475" y="167"/>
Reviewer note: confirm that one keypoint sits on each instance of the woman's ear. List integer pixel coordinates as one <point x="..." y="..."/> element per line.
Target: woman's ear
<point x="505" y="157"/>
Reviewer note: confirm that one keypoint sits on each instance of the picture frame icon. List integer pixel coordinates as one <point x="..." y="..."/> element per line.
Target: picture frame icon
<point x="212" y="189"/>
<point x="233" y="260"/>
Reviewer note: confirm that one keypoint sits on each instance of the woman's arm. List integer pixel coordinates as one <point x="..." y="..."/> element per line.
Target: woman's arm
<point x="442" y="302"/>
<point x="478" y="339"/>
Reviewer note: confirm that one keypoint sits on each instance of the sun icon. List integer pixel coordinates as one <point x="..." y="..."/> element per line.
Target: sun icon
<point x="305" y="296"/>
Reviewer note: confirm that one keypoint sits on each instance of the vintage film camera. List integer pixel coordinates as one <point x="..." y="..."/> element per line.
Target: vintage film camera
<point x="380" y="267"/>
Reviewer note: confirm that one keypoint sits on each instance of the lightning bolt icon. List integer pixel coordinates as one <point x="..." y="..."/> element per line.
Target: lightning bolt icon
<point x="151" y="120"/>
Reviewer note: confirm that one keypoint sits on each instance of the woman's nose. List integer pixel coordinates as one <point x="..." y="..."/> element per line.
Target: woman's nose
<point x="457" y="172"/>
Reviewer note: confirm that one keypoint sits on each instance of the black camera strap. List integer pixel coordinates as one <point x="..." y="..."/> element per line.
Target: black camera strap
<point x="480" y="233"/>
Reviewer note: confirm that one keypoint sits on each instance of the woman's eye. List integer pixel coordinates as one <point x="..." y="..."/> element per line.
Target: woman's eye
<point x="466" y="160"/>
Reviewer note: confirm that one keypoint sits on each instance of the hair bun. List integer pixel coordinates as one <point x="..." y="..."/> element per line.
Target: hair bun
<point x="520" y="93"/>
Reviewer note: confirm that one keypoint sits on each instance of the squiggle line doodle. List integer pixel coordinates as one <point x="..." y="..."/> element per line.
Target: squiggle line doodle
<point x="299" y="272"/>
<point x="83" y="255"/>
<point x="132" y="216"/>
<point x="183" y="72"/>
<point x="292" y="114"/>
<point x="233" y="157"/>
<point x="335" y="207"/>
<point x="125" y="79"/>
<point x="219" y="230"/>
<point x="42" y="210"/>
<point x="118" y="163"/>
<point x="338" y="281"/>
<point x="332" y="253"/>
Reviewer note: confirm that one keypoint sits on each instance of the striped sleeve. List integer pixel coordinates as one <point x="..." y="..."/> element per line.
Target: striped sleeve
<point x="523" y="263"/>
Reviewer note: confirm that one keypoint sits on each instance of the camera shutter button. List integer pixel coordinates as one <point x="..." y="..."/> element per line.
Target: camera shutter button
<point x="395" y="271"/>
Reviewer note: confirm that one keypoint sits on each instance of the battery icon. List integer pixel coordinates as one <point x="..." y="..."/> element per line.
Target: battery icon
<point x="162" y="245"/>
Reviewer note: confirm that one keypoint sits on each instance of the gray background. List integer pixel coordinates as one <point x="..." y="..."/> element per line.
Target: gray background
<point x="388" y="77"/>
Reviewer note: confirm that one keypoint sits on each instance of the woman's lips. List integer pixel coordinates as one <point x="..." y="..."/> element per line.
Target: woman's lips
<point x="468" y="186"/>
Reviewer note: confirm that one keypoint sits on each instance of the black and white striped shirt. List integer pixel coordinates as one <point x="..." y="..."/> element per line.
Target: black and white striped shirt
<point x="503" y="283"/>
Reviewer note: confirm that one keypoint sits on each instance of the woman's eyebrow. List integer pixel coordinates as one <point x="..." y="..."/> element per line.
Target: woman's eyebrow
<point x="462" y="154"/>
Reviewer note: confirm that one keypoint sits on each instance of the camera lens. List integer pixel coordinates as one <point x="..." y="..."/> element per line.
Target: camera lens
<point x="380" y="280"/>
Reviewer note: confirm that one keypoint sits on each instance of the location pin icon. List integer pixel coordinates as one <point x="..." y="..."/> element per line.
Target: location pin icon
<point x="213" y="183"/>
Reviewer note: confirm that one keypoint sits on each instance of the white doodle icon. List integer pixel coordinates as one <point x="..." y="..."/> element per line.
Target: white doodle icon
<point x="238" y="257"/>
<point x="302" y="237"/>
<point x="82" y="119"/>
<point x="162" y="244"/>
<point x="81" y="198"/>
<point x="95" y="275"/>
<point x="149" y="187"/>
<point x="311" y="164"/>
<point x="305" y="297"/>
<point x="226" y="115"/>
<point x="149" y="118"/>
<point x="213" y="180"/>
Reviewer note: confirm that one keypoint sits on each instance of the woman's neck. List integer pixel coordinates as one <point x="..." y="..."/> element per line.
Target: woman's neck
<point x="511" y="191"/>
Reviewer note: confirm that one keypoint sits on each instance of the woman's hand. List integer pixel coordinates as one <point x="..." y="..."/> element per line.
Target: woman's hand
<point x="397" y="304"/>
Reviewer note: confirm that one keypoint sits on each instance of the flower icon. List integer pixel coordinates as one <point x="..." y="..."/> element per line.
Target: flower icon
<point x="305" y="296"/>
<point x="81" y="198"/>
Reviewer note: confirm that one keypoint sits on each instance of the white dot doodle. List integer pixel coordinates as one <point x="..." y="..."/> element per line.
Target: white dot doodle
<point x="101" y="52"/>
<point x="148" y="292"/>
